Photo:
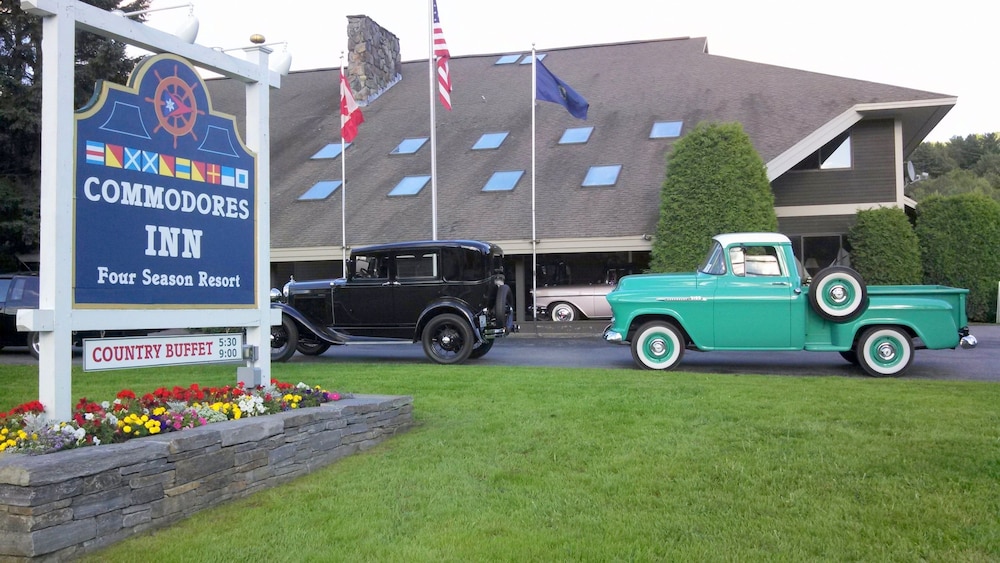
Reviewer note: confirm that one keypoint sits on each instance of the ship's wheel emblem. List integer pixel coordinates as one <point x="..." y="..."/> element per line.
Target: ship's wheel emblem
<point x="176" y="106"/>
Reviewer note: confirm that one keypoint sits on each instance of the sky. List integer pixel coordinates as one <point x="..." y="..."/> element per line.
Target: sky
<point x="943" y="47"/>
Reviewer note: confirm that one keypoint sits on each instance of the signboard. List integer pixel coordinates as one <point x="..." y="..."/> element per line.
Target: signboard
<point x="149" y="351"/>
<point x="165" y="196"/>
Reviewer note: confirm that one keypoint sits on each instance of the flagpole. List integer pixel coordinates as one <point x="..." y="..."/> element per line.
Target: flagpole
<point x="343" y="181"/>
<point x="534" y="237"/>
<point x="433" y="79"/>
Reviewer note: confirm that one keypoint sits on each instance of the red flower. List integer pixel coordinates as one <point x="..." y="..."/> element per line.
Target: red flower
<point x="126" y="394"/>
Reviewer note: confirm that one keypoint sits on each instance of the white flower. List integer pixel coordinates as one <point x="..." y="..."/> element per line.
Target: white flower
<point x="97" y="441"/>
<point x="105" y="405"/>
<point x="89" y="416"/>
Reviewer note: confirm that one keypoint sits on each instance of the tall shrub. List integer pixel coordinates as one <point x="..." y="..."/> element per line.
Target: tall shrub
<point x="884" y="247"/>
<point x="715" y="183"/>
<point x="960" y="238"/>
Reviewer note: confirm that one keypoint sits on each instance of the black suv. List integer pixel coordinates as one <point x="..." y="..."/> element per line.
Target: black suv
<point x="20" y="291"/>
<point x="450" y="295"/>
<point x="17" y="291"/>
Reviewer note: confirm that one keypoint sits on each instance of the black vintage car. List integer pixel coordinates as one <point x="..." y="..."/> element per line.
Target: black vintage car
<point x="449" y="295"/>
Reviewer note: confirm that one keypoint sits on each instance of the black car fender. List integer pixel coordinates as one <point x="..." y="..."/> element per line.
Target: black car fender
<point x="454" y="306"/>
<point x="322" y="332"/>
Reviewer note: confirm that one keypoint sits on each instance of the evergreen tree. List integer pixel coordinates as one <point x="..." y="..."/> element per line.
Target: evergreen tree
<point x="20" y="110"/>
<point x="716" y="182"/>
<point x="884" y="247"/>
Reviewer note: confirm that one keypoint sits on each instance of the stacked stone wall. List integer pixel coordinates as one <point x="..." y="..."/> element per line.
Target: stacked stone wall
<point x="62" y="505"/>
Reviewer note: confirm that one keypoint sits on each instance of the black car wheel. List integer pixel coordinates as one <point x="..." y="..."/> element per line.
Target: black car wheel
<point x="312" y="346"/>
<point x="284" y="339"/>
<point x="33" y="347"/>
<point x="447" y="339"/>
<point x="504" y="308"/>
<point x="482" y="350"/>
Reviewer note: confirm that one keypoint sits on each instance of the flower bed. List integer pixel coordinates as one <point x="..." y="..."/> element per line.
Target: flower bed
<point x="69" y="502"/>
<point x="164" y="410"/>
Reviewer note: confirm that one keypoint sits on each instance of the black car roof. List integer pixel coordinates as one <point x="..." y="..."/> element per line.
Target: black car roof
<point x="481" y="246"/>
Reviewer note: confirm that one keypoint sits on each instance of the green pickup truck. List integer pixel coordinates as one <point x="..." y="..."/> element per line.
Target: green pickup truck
<point x="752" y="294"/>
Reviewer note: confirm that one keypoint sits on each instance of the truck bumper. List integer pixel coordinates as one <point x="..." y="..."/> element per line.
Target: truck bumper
<point x="613" y="336"/>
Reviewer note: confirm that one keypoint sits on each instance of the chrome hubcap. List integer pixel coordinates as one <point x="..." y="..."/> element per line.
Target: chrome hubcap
<point x="658" y="347"/>
<point x="886" y="352"/>
<point x="838" y="294"/>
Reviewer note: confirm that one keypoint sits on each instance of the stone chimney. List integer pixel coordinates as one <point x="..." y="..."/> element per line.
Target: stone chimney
<point x="373" y="61"/>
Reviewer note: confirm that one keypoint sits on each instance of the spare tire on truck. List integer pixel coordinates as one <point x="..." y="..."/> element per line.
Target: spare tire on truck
<point x="838" y="294"/>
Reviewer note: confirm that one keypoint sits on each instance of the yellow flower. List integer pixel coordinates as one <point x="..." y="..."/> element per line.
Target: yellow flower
<point x="127" y="429"/>
<point x="159" y="410"/>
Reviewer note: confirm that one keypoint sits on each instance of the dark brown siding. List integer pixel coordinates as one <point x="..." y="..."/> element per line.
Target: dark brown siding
<point x="824" y="225"/>
<point x="872" y="179"/>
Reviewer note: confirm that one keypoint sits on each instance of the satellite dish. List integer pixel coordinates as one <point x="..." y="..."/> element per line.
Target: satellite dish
<point x="909" y="170"/>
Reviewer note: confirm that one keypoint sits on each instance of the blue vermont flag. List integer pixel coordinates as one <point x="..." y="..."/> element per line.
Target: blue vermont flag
<point x="548" y="87"/>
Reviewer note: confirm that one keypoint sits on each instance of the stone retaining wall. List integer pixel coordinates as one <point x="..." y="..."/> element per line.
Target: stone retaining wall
<point x="59" y="506"/>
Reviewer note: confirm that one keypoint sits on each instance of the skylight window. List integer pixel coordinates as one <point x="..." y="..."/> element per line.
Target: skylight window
<point x="507" y="60"/>
<point x="410" y="185"/>
<point x="409" y="146"/>
<point x="527" y="59"/>
<point x="490" y="141"/>
<point x="576" y="135"/>
<point x="321" y="190"/>
<point x="666" y="129"/>
<point x="330" y="151"/>
<point x="503" y="181"/>
<point x="602" y="175"/>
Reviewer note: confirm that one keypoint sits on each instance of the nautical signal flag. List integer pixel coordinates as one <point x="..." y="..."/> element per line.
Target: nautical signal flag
<point x="350" y="113"/>
<point x="550" y="88"/>
<point x="443" y="56"/>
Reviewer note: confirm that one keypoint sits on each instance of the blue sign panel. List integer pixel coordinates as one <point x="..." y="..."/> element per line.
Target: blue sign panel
<point x="165" y="196"/>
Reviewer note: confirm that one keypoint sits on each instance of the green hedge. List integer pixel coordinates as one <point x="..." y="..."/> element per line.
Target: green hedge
<point x="884" y="247"/>
<point x="716" y="183"/>
<point x="960" y="239"/>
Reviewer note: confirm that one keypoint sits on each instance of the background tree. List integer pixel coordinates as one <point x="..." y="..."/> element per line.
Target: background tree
<point x="20" y="111"/>
<point x="959" y="237"/>
<point x="716" y="182"/>
<point x="884" y="247"/>
<point x="958" y="181"/>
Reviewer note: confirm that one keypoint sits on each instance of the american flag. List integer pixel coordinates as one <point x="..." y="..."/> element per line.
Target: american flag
<point x="442" y="54"/>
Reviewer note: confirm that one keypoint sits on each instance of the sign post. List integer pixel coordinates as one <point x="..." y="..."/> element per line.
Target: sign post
<point x="169" y="227"/>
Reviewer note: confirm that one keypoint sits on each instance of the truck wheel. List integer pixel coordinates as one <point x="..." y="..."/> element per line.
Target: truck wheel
<point x="448" y="339"/>
<point x="284" y="339"/>
<point x="33" y="348"/>
<point x="838" y="294"/>
<point x="482" y="350"/>
<point x="884" y="351"/>
<point x="657" y="345"/>
<point x="563" y="312"/>
<point x="312" y="346"/>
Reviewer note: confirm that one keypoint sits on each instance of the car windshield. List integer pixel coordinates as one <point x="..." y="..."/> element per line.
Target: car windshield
<point x="715" y="264"/>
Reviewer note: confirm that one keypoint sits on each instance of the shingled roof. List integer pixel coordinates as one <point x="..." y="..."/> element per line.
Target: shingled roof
<point x="629" y="86"/>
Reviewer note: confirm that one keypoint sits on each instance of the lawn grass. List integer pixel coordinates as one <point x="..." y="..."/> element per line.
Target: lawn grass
<point x="554" y="464"/>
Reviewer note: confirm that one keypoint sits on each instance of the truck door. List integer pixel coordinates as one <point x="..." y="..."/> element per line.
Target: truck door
<point x="754" y="300"/>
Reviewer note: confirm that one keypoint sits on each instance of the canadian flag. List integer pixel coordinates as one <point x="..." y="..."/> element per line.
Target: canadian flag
<point x="350" y="113"/>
